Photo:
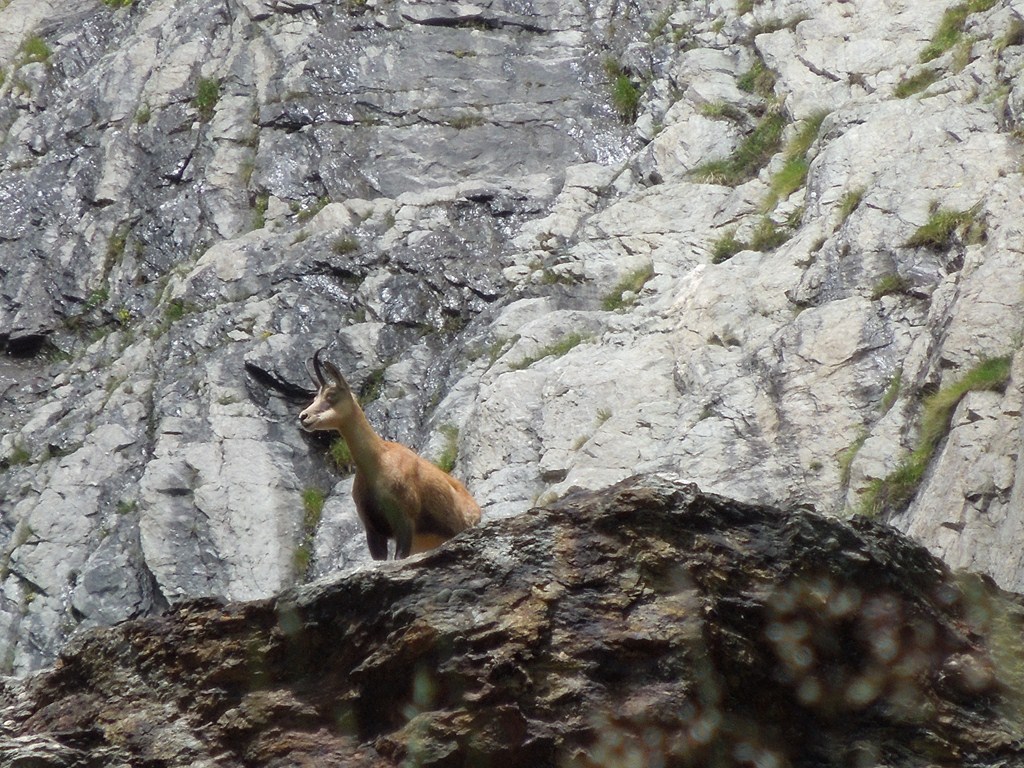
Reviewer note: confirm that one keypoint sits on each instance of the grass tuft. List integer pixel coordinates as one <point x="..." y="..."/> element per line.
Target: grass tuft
<point x="894" y="492"/>
<point x="341" y="456"/>
<point x="307" y="212"/>
<point x="259" y="211"/>
<point x="848" y="455"/>
<point x="556" y="349"/>
<point x="176" y="309"/>
<point x="450" y="452"/>
<point x="726" y="247"/>
<point x="793" y="174"/>
<point x="849" y="203"/>
<point x="888" y="285"/>
<point x="344" y="245"/>
<point x="891" y="394"/>
<point x="630" y="284"/>
<point x="206" y="98"/>
<point x="312" y="510"/>
<point x="18" y="456"/>
<point x="721" y="110"/>
<point x="989" y="375"/>
<point x="908" y="86"/>
<point x="788" y="180"/>
<point x="625" y="94"/>
<point x="1012" y="37"/>
<point x="34" y="49"/>
<point x="951" y="27"/>
<point x="768" y="236"/>
<point x="116" y="244"/>
<point x="758" y="80"/>
<point x="313" y="506"/>
<point x="749" y="158"/>
<point x="947" y="225"/>
<point x="373" y="387"/>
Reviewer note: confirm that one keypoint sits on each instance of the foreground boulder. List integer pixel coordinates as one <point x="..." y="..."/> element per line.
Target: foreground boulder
<point x="648" y="624"/>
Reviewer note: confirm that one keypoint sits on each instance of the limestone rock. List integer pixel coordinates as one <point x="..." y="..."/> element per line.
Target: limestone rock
<point x="488" y="213"/>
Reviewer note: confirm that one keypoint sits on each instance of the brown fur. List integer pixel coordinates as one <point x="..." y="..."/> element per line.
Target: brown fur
<point x="398" y="494"/>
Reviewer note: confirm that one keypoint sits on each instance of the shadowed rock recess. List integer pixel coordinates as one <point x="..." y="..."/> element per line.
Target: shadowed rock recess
<point x="646" y="625"/>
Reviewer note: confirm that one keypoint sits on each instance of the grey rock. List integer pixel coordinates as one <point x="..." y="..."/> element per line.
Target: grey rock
<point x="197" y="196"/>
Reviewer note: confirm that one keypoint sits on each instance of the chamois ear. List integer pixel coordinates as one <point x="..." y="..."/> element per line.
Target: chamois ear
<point x="335" y="374"/>
<point x="321" y="366"/>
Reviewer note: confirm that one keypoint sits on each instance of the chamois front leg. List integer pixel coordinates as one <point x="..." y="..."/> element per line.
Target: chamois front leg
<point x="402" y="512"/>
<point x="372" y="517"/>
<point x="403" y="545"/>
<point x="402" y="525"/>
<point x="377" y="544"/>
<point x="385" y="514"/>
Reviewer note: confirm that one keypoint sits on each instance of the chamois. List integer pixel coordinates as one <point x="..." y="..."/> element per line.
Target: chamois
<point x="398" y="494"/>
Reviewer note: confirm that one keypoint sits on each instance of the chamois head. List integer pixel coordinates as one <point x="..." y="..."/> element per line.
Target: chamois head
<point x="333" y="403"/>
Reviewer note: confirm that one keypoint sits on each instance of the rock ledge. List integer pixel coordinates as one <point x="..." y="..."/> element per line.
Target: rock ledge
<point x="647" y="624"/>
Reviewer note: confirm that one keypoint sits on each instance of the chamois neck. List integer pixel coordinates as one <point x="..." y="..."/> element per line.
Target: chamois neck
<point x="364" y="444"/>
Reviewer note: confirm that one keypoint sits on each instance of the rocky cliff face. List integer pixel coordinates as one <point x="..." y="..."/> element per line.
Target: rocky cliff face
<point x="646" y="625"/>
<point x="766" y="246"/>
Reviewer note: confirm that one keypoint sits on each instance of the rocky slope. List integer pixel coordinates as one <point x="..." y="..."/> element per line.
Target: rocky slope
<point x="761" y="245"/>
<point x="646" y="625"/>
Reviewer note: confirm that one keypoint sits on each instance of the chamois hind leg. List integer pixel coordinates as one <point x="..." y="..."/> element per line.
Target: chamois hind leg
<point x="423" y="542"/>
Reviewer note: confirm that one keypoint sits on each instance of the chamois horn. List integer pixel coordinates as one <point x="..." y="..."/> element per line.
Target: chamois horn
<point x="316" y="366"/>
<point x="326" y="365"/>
